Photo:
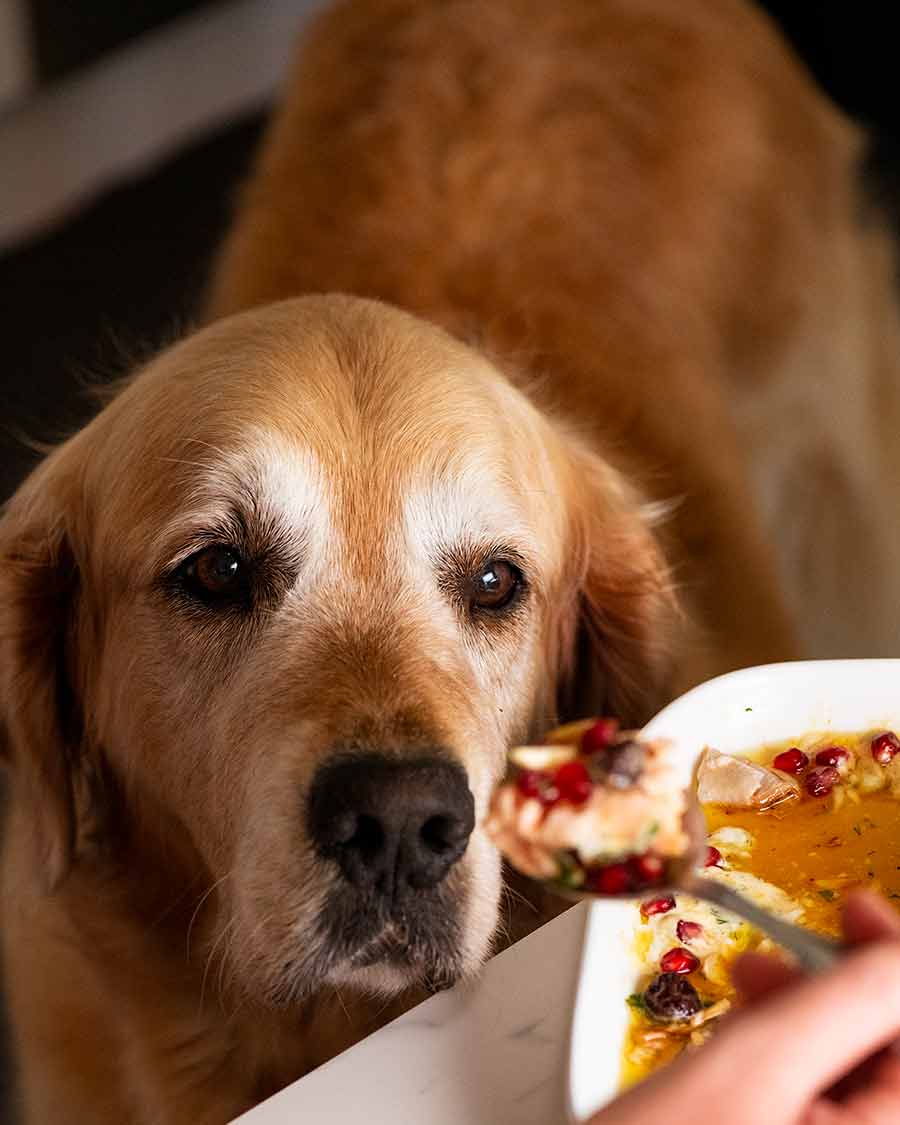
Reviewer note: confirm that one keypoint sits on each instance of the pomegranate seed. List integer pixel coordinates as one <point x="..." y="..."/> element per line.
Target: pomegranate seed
<point x="612" y="880"/>
<point x="598" y="737"/>
<point x="713" y="857"/>
<point x="679" y="961"/>
<point x="687" y="931"/>
<point x="885" y="746"/>
<point x="647" y="869"/>
<point x="821" y="780"/>
<point x="573" y="782"/>
<point x="530" y="783"/>
<point x="792" y="761"/>
<point x="835" y="756"/>
<point x="657" y="906"/>
<point x="535" y="783"/>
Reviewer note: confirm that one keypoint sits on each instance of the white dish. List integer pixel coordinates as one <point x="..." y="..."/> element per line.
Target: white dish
<point x="734" y="713"/>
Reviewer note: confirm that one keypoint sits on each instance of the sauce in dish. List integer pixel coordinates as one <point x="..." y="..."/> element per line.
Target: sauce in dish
<point x="821" y="818"/>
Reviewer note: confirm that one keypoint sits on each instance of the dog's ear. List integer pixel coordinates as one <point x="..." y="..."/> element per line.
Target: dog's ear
<point x="39" y="589"/>
<point x="616" y="636"/>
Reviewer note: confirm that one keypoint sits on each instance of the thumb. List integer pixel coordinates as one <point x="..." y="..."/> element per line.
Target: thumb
<point x="826" y="1025"/>
<point x="867" y="917"/>
<point x="757" y="975"/>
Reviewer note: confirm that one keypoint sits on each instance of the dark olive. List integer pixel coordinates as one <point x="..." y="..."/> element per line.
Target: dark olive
<point x="626" y="764"/>
<point x="671" y="998"/>
<point x="620" y="765"/>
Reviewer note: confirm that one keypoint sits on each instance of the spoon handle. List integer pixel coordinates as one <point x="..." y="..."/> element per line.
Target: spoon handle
<point x="813" y="952"/>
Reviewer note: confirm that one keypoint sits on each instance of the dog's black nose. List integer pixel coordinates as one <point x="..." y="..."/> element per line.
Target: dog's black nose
<point x="391" y="825"/>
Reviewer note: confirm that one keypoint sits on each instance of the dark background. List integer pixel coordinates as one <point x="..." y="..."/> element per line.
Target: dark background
<point x="69" y="34"/>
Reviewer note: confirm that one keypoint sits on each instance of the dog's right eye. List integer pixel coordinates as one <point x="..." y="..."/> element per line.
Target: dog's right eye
<point x="215" y="574"/>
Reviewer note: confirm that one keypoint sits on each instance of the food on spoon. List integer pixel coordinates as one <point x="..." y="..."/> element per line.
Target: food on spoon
<point x="593" y="808"/>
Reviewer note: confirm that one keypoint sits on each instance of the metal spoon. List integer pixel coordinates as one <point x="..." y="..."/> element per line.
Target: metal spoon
<point x="813" y="952"/>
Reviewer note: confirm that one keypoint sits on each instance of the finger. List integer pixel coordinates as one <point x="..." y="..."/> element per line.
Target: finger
<point x="867" y="917"/>
<point x="827" y="1024"/>
<point x="877" y="1102"/>
<point x="863" y="1077"/>
<point x="756" y="975"/>
<point x="824" y="1113"/>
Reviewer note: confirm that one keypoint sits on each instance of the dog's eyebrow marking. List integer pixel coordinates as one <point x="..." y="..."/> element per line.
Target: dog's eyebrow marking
<point x="275" y="488"/>
<point x="464" y="507"/>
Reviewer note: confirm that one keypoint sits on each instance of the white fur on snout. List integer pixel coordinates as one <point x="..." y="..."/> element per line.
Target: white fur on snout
<point x="480" y="912"/>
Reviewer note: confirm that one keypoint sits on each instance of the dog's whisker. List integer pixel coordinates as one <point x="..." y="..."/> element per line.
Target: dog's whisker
<point x="225" y="975"/>
<point x="379" y="1012"/>
<point x="511" y="893"/>
<point x="198" y="908"/>
<point x="171" y="906"/>
<point x="340" y="1000"/>
<point x="226" y="929"/>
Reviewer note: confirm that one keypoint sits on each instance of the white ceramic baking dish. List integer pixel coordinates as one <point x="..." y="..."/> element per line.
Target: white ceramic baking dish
<point x="735" y="714"/>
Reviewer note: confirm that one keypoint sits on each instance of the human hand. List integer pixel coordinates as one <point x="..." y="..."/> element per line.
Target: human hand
<point x="801" y="1051"/>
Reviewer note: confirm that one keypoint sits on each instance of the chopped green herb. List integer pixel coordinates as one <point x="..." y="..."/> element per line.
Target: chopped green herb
<point x="637" y="1002"/>
<point x="570" y="873"/>
<point x="748" y="708"/>
<point x="827" y="895"/>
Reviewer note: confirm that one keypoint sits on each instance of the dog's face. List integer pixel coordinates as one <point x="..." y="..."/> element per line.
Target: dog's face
<point x="295" y="591"/>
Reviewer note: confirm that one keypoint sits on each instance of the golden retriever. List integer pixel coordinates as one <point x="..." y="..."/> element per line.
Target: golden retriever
<point x="619" y="323"/>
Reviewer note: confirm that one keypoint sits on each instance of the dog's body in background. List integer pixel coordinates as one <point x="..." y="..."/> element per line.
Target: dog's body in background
<point x="656" y="231"/>
<point x="638" y="201"/>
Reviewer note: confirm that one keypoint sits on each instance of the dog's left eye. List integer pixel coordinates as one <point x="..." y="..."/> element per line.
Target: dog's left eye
<point x="496" y="585"/>
<point x="215" y="574"/>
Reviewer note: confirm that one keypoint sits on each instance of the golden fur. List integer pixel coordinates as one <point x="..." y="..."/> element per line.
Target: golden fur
<point x="639" y="260"/>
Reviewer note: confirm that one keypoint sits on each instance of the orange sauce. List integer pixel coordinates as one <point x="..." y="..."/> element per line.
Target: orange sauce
<point x="813" y="849"/>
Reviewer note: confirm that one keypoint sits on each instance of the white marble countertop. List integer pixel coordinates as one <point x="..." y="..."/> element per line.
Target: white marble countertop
<point x="494" y="1052"/>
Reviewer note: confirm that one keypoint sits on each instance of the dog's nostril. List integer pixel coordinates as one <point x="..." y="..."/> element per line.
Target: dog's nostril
<point x="368" y="837"/>
<point x="440" y="834"/>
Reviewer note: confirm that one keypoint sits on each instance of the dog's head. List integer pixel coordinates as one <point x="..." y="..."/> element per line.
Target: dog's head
<point x="290" y="597"/>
